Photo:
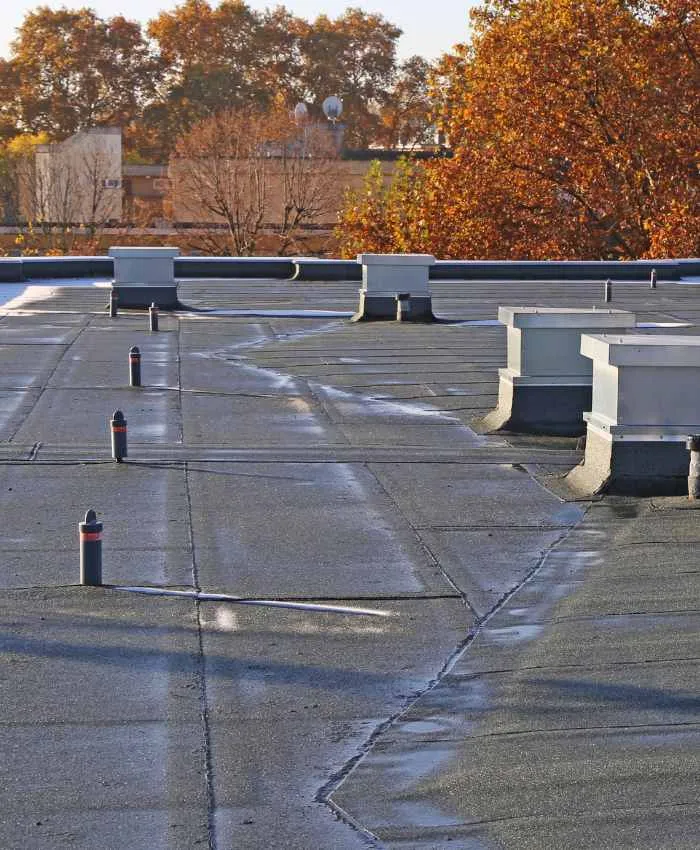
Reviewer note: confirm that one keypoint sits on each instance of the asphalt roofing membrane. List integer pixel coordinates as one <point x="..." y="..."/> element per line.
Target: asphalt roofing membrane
<point x="535" y="683"/>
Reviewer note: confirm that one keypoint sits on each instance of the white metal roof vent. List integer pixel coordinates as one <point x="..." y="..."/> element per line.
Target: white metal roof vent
<point x="546" y="385"/>
<point x="644" y="406"/>
<point x="395" y="286"/>
<point x="144" y="276"/>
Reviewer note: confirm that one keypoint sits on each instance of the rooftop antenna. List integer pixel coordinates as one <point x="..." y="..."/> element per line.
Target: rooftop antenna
<point x="332" y="108"/>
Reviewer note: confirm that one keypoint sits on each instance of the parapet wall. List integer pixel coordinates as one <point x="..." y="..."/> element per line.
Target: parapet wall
<point x="17" y="269"/>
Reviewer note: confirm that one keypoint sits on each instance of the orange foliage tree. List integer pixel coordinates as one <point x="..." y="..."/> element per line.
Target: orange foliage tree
<point x="574" y="128"/>
<point x="70" y="70"/>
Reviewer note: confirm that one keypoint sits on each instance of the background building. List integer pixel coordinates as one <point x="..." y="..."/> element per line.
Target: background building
<point x="77" y="181"/>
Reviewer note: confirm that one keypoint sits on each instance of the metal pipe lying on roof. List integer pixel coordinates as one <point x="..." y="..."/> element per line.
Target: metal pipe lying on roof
<point x="264" y="603"/>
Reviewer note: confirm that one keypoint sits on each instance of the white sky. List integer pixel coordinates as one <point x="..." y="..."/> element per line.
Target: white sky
<point x="430" y="29"/>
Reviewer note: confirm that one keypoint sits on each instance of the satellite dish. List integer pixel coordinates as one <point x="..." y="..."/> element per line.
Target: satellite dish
<point x="332" y="108"/>
<point x="301" y="113"/>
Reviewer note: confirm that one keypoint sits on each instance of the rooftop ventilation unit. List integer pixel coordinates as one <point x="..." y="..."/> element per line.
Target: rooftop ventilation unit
<point x="546" y="385"/>
<point x="144" y="276"/>
<point x="645" y="404"/>
<point x="395" y="286"/>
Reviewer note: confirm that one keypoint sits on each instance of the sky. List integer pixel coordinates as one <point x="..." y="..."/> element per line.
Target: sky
<point x="428" y="30"/>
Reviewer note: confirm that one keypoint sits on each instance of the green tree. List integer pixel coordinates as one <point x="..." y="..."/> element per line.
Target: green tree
<point x="385" y="214"/>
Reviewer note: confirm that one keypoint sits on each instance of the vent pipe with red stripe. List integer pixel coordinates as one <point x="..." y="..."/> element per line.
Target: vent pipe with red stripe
<point x="153" y="317"/>
<point x="90" y="533"/>
<point x="118" y="428"/>
<point x="134" y="366"/>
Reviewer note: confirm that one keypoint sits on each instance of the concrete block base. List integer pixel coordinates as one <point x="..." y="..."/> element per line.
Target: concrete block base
<point x="417" y="308"/>
<point x="631" y="467"/>
<point x="164" y="297"/>
<point x="555" y="410"/>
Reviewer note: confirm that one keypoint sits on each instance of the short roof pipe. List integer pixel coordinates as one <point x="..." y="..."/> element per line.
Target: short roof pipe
<point x="693" y="446"/>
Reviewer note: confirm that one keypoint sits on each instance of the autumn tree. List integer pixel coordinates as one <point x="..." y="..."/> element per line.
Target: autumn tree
<point x="209" y="54"/>
<point x="231" y="56"/>
<point x="9" y="193"/>
<point x="17" y="162"/>
<point x="253" y="171"/>
<point x="220" y="57"/>
<point x="8" y="84"/>
<point x="574" y="128"/>
<point x="70" y="70"/>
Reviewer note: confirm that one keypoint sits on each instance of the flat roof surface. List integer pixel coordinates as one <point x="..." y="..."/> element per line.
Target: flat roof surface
<point x="534" y="684"/>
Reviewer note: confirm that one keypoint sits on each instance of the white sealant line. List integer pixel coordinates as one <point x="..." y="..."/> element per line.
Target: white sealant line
<point x="265" y="603"/>
<point x="380" y="406"/>
<point x="278" y="380"/>
<point x="481" y="323"/>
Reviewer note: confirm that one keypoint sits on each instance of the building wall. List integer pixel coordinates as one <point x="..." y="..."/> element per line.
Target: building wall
<point x="145" y="195"/>
<point x="78" y="181"/>
<point x="82" y="181"/>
